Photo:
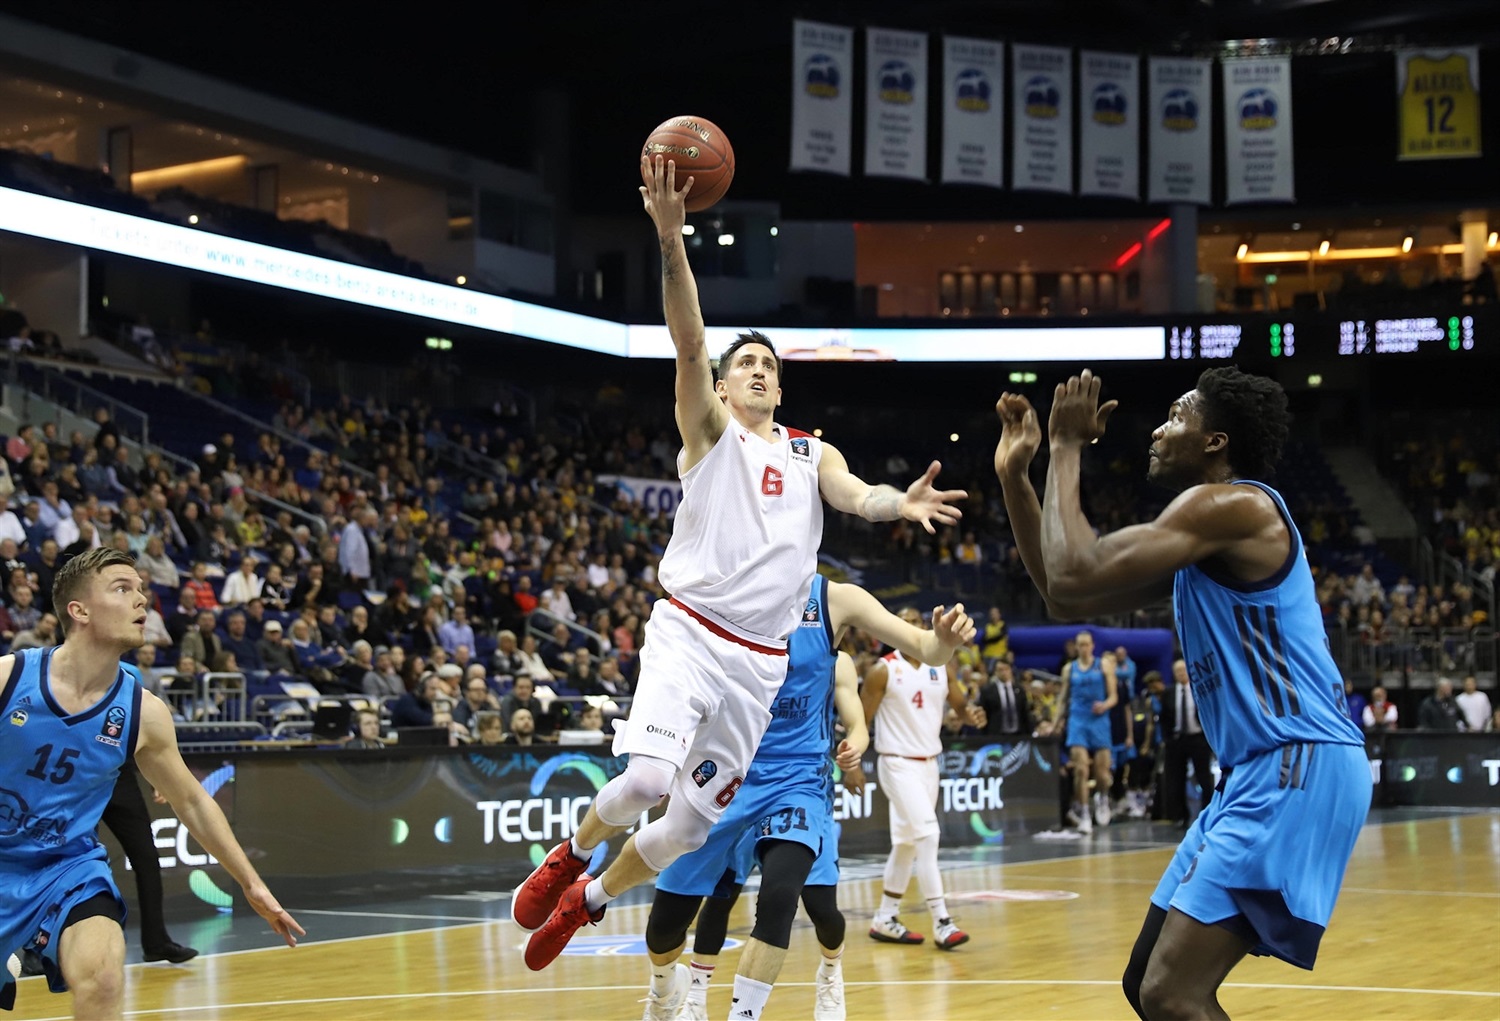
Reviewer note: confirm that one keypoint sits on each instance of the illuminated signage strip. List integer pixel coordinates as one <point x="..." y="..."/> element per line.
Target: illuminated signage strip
<point x="861" y="344"/>
<point x="108" y="231"/>
<point x="121" y="234"/>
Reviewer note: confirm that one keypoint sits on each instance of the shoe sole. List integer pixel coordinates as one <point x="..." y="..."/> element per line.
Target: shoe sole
<point x="909" y="940"/>
<point x="963" y="938"/>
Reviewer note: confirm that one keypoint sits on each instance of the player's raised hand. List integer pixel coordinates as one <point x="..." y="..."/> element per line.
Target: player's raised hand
<point x="925" y="503"/>
<point x="266" y="906"/>
<point x="954" y="628"/>
<point x="1077" y="417"/>
<point x="1020" y="436"/>
<point x="666" y="205"/>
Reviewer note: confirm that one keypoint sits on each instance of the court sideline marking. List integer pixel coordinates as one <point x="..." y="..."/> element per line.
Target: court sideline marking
<point x="454" y="994"/>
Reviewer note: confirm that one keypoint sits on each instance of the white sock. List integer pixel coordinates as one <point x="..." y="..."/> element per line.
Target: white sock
<point x="702" y="975"/>
<point x="578" y="852"/>
<point x="832" y="967"/>
<point x="749" y="1000"/>
<point x="890" y="907"/>
<point x="594" y="896"/>
<point x="661" y="977"/>
<point x="938" y="907"/>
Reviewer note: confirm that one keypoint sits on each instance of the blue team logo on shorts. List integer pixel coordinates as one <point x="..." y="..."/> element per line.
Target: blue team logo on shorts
<point x="706" y="771"/>
<point x="801" y="447"/>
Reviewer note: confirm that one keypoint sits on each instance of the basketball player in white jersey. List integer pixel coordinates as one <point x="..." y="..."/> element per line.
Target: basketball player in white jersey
<point x="742" y="553"/>
<point x="909" y="698"/>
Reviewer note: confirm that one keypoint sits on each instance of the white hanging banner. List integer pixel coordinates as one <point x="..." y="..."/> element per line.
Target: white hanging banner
<point x="973" y="111"/>
<point x="1042" y="92"/>
<point x="1258" y="130"/>
<point x="895" y="104"/>
<point x="1109" y="125"/>
<point x="1180" y="146"/>
<point x="822" y="111"/>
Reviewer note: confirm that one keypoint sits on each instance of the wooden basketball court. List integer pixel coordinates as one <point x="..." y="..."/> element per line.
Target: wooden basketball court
<point x="1420" y="908"/>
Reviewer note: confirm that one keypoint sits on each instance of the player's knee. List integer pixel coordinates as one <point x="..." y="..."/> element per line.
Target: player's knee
<point x="667" y="926"/>
<point x="670" y="837"/>
<point x="1162" y="999"/>
<point x="98" y="989"/>
<point x="640" y="788"/>
<point x="823" y="911"/>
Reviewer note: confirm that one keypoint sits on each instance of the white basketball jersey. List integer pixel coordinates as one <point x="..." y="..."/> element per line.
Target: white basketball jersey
<point x="745" y="539"/>
<point x="909" y="719"/>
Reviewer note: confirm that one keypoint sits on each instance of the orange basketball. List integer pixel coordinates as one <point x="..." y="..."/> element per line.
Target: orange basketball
<point x="701" y="151"/>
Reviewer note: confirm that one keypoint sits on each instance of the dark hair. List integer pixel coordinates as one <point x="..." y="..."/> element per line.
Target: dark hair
<point x="749" y="337"/>
<point x="74" y="577"/>
<point x="1252" y="412"/>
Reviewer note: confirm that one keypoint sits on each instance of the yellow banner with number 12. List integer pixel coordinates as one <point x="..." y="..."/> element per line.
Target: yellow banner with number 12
<point x="1439" y="101"/>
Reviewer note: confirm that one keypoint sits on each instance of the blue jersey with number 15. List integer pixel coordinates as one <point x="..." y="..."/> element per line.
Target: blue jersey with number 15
<point x="57" y="770"/>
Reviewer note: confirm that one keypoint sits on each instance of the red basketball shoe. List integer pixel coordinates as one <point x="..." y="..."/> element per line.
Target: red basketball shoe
<point x="571" y="914"/>
<point x="535" y="898"/>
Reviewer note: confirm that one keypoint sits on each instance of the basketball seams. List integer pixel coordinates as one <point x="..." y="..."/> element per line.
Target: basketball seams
<point x="713" y="166"/>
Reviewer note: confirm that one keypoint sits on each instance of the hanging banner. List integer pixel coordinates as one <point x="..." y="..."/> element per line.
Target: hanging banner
<point x="1258" y="130"/>
<point x="973" y="111"/>
<point x="822" y="61"/>
<point x="1438" y="94"/>
<point x="896" y="104"/>
<point x="1042" y="143"/>
<point x="1109" y="125"/>
<point x="1181" y="160"/>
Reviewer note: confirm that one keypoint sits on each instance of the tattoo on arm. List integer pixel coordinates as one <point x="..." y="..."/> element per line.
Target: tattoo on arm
<point x="882" y="504"/>
<point x="668" y="256"/>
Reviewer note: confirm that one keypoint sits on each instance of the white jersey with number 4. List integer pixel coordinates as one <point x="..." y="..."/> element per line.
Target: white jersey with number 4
<point x="909" y="719"/>
<point x="745" y="539"/>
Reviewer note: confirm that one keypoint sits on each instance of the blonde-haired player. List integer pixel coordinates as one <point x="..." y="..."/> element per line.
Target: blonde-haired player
<point x="909" y="698"/>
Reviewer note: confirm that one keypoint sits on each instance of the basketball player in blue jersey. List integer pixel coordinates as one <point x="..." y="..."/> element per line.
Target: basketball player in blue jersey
<point x="74" y="715"/>
<point x="782" y="818"/>
<point x="1259" y="870"/>
<point x="1089" y="692"/>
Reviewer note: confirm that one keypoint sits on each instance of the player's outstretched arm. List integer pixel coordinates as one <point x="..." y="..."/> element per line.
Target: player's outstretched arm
<point x="922" y="502"/>
<point x="1138" y="561"/>
<point x="851" y="714"/>
<point x="701" y="416"/>
<point x="1020" y="438"/>
<point x="161" y="764"/>
<point x="852" y="606"/>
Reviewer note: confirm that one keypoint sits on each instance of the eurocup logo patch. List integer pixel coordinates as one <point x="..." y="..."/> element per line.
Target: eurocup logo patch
<point x="114" y="722"/>
<point x="801" y="447"/>
<point x="932" y="674"/>
<point x="810" y="614"/>
<point x="820" y="76"/>
<point x="706" y="771"/>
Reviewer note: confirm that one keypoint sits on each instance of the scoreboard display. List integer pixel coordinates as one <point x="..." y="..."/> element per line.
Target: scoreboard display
<point x="1257" y="337"/>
